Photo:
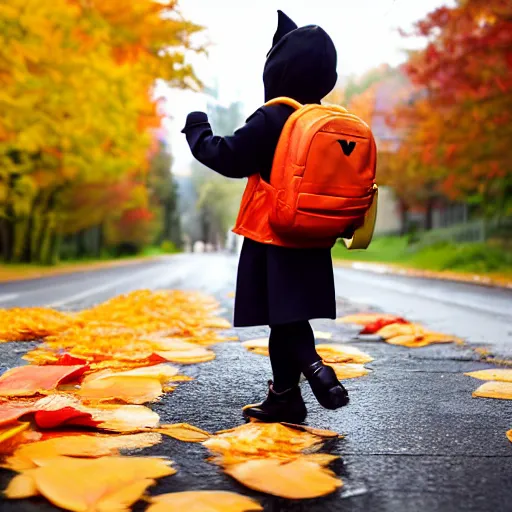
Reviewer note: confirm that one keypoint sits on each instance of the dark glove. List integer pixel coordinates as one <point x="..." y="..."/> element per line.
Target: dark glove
<point x="195" y="119"/>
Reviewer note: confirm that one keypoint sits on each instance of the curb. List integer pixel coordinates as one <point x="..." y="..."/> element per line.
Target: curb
<point x="380" y="268"/>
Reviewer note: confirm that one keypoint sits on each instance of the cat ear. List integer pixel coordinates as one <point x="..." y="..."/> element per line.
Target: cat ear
<point x="284" y="26"/>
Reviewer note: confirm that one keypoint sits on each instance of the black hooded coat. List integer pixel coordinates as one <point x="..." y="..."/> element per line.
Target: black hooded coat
<point x="275" y="285"/>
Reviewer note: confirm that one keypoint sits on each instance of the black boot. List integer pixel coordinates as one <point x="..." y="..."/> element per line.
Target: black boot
<point x="287" y="406"/>
<point x="326" y="387"/>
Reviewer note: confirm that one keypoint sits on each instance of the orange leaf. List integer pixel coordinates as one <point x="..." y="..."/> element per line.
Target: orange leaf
<point x="298" y="479"/>
<point x="184" y="432"/>
<point x="118" y="481"/>
<point x="201" y="501"/>
<point x="132" y="390"/>
<point x="85" y="445"/>
<point x="500" y="390"/>
<point x="497" y="374"/>
<point x="30" y="380"/>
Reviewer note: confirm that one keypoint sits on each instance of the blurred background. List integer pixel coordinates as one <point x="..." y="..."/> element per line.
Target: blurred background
<point x="94" y="93"/>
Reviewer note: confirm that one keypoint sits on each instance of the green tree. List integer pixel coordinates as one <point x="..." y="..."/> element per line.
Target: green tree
<point x="218" y="198"/>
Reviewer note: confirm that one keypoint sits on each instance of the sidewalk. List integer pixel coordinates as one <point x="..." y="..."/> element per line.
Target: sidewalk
<point x="493" y="280"/>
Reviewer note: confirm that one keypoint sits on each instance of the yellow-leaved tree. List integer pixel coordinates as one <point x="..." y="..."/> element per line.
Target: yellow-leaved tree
<point x="76" y="113"/>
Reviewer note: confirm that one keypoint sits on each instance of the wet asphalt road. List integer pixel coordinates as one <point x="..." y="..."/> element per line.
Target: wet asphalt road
<point x="415" y="438"/>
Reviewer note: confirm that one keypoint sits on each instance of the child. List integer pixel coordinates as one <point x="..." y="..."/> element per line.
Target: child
<point x="280" y="286"/>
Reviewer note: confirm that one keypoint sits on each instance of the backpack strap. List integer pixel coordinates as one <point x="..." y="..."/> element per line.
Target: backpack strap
<point x="363" y="235"/>
<point x="283" y="100"/>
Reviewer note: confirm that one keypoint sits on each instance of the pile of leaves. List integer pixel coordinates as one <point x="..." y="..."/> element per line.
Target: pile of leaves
<point x="277" y="459"/>
<point x="498" y="385"/>
<point x="83" y="399"/>
<point x="396" y="330"/>
<point x="80" y="400"/>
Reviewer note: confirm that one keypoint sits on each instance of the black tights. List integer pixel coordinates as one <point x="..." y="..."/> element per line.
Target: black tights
<point x="291" y="350"/>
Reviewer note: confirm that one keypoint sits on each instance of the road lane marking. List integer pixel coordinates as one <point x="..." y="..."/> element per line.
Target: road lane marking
<point x="6" y="297"/>
<point x="107" y="286"/>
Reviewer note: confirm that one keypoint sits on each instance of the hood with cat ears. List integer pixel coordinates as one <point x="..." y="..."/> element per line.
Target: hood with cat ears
<point x="284" y="26"/>
<point x="301" y="63"/>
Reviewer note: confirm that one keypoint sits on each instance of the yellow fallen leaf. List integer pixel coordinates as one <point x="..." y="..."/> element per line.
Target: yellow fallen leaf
<point x="124" y="497"/>
<point x="258" y="346"/>
<point x="124" y="418"/>
<point x="118" y="481"/>
<point x="132" y="390"/>
<point x="203" y="501"/>
<point x="114" y="417"/>
<point x="492" y="389"/>
<point x="86" y="445"/>
<point x="25" y="324"/>
<point x="10" y="431"/>
<point x="363" y="318"/>
<point x="336" y="353"/>
<point x="216" y="323"/>
<point x="162" y="372"/>
<point x="439" y="337"/>
<point x="298" y="479"/>
<point x="260" y="440"/>
<point x="509" y="435"/>
<point x="349" y="370"/>
<point x="197" y="355"/>
<point x="184" y="432"/>
<point x="497" y="374"/>
<point x="21" y="486"/>
<point x="408" y="340"/>
<point x="329" y="352"/>
<point x="392" y="330"/>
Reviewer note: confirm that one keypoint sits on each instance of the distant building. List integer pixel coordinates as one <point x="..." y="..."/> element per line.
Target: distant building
<point x="390" y="219"/>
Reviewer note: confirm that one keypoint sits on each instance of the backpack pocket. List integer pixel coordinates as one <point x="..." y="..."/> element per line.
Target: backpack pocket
<point x="321" y="216"/>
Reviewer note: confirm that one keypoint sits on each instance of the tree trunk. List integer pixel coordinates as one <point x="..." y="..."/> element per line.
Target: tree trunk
<point x="5" y="240"/>
<point x="429" y="214"/>
<point x="36" y="234"/>
<point x="21" y="230"/>
<point x="81" y="246"/>
<point x="46" y="255"/>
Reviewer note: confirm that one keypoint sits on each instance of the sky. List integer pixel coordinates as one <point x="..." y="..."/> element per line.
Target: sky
<point x="240" y="34"/>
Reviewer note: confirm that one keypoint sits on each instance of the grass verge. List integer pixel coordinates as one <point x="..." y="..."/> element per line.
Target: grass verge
<point x="20" y="272"/>
<point x="480" y="259"/>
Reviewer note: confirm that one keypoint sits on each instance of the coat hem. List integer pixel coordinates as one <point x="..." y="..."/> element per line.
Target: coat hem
<point x="241" y="325"/>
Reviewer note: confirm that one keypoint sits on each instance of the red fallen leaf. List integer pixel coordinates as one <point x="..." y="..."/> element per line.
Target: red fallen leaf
<point x="69" y="360"/>
<point x="30" y="380"/>
<point x="378" y="324"/>
<point x="156" y="359"/>
<point x="64" y="417"/>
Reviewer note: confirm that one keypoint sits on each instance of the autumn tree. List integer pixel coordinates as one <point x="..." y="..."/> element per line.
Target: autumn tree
<point x="76" y="110"/>
<point x="461" y="124"/>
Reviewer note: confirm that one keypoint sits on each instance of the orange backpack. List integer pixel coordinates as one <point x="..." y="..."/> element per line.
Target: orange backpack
<point x="322" y="182"/>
